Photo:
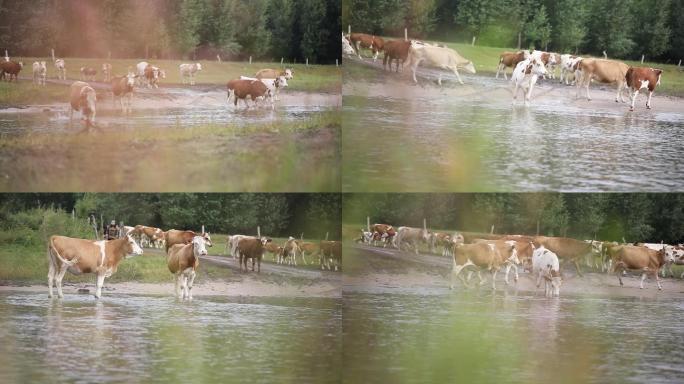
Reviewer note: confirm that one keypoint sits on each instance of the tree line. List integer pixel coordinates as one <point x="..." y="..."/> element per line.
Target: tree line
<point x="173" y="29"/>
<point x="277" y="214"/>
<point x="632" y="217"/>
<point x="624" y="29"/>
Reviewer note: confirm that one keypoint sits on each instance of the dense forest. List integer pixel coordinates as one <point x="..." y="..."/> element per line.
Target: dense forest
<point x="602" y="216"/>
<point x="625" y="29"/>
<point x="173" y="29"/>
<point x="277" y="214"/>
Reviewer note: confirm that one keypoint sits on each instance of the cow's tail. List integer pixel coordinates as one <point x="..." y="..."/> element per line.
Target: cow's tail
<point x="52" y="252"/>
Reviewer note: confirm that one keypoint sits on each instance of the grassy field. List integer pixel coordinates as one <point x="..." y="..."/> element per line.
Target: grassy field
<point x="486" y="60"/>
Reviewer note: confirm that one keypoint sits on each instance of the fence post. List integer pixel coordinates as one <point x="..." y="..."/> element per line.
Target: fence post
<point x="281" y="61"/>
<point x="337" y="63"/>
<point x="326" y="236"/>
<point x="258" y="231"/>
<point x="605" y="55"/>
<point x="642" y="59"/>
<point x="405" y="34"/>
<point x="218" y="57"/>
<point x="73" y="214"/>
<point x="368" y="223"/>
<point x="307" y="61"/>
<point x="680" y="63"/>
<point x="250" y="59"/>
<point x="52" y="51"/>
<point x="491" y="231"/>
<point x="349" y="29"/>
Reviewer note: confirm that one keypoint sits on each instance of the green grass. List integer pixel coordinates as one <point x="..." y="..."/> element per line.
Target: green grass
<point x="25" y="92"/>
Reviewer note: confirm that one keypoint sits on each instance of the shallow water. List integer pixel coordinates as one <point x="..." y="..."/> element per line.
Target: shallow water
<point x="126" y="338"/>
<point x="485" y="337"/>
<point x="473" y="142"/>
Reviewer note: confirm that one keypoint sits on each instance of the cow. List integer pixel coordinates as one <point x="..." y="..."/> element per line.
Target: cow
<point x="440" y="239"/>
<point x="397" y="50"/>
<point x="140" y="72"/>
<point x="567" y="249"/>
<point x="153" y="234"/>
<point x="39" y="73"/>
<point x="362" y="40"/>
<point x="602" y="71"/>
<point x="60" y="68"/>
<point x="347" y="49"/>
<point x="268" y="73"/>
<point x="474" y="257"/>
<point x="507" y="253"/>
<point x="83" y="98"/>
<point x="525" y="76"/>
<point x="122" y="88"/>
<point x="331" y="254"/>
<point x="273" y="248"/>
<point x="411" y="237"/>
<point x="309" y="248"/>
<point x="550" y="60"/>
<point x="546" y="266"/>
<point x="553" y="62"/>
<point x="290" y="248"/>
<point x="106" y="72"/>
<point x="152" y="75"/>
<point x="444" y="58"/>
<point x="174" y="236"/>
<point x="366" y="237"/>
<point x="567" y="63"/>
<point x="88" y="73"/>
<point x="11" y="68"/>
<point x="382" y="232"/>
<point x="643" y="259"/>
<point x="79" y="256"/>
<point x="232" y="243"/>
<point x="188" y="71"/>
<point x="510" y="60"/>
<point x="638" y="78"/>
<point x="273" y="85"/>
<point x="241" y="89"/>
<point x="183" y="261"/>
<point x="669" y="253"/>
<point x="251" y="248"/>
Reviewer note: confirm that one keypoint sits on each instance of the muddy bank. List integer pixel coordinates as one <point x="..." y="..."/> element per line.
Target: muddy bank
<point x="390" y="271"/>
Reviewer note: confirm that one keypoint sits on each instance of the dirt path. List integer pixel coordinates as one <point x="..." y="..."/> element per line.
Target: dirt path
<point x="379" y="270"/>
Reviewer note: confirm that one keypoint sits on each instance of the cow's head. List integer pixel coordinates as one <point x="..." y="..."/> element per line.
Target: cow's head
<point x="207" y="239"/>
<point x="198" y="66"/>
<point x="537" y="67"/>
<point x="513" y="251"/>
<point x="162" y="73"/>
<point x="289" y="73"/>
<point x="198" y="246"/>
<point x="132" y="248"/>
<point x="469" y="67"/>
<point x="281" y="82"/>
<point x="130" y="80"/>
<point x="458" y="239"/>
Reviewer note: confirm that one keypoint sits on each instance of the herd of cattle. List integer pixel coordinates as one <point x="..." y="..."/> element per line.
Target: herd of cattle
<point x="539" y="254"/>
<point x="528" y="67"/>
<point x="183" y="250"/>
<point x="265" y="85"/>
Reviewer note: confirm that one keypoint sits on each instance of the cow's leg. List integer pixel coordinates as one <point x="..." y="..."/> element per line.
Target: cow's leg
<point x="539" y="279"/>
<point x="358" y="49"/>
<point x="100" y="283"/>
<point x="455" y="69"/>
<point x="414" y="67"/>
<point x="498" y="69"/>
<point x="455" y="272"/>
<point x="648" y="102"/>
<point x="178" y="284"/>
<point x="508" y="269"/>
<point x="58" y="279"/>
<point x="51" y="272"/>
<point x="191" y="280"/>
<point x="494" y="272"/>
<point x="643" y="277"/>
<point x="577" y="266"/>
<point x="660" y="287"/>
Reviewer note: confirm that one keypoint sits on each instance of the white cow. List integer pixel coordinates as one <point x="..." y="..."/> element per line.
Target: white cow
<point x="61" y="69"/>
<point x="567" y="64"/>
<point x="273" y="85"/>
<point x="140" y="71"/>
<point x="39" y="72"/>
<point x="440" y="57"/>
<point x="546" y="266"/>
<point x="347" y="48"/>
<point x="189" y="71"/>
<point x="525" y="76"/>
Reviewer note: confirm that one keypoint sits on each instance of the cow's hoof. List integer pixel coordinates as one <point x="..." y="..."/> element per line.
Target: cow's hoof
<point x="631" y="109"/>
<point x="647" y="107"/>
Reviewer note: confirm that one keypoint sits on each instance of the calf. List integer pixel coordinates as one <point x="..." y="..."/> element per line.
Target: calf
<point x="545" y="264"/>
<point x="183" y="261"/>
<point x="268" y="73"/>
<point x="60" y="68"/>
<point x="80" y="256"/>
<point x="273" y="85"/>
<point x="273" y="248"/>
<point x="525" y="76"/>
<point x="107" y="72"/>
<point x="638" y="78"/>
<point x="602" y="71"/>
<point x="643" y="259"/>
<point x="39" y="73"/>
<point x="11" y="68"/>
<point x="290" y="248"/>
<point x="474" y="256"/>
<point x="83" y="98"/>
<point x="331" y="254"/>
<point x="382" y="232"/>
<point x="88" y="73"/>
<point x="510" y="60"/>
<point x="362" y="40"/>
<point x="241" y="89"/>
<point x="188" y="71"/>
<point x="251" y="248"/>
<point x="397" y="50"/>
<point x="153" y="234"/>
<point x="122" y="88"/>
<point x="439" y="57"/>
<point x="309" y="248"/>
<point x="232" y="244"/>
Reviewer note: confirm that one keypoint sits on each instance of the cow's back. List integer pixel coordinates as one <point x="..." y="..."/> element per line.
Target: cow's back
<point x="607" y="71"/>
<point x="69" y="248"/>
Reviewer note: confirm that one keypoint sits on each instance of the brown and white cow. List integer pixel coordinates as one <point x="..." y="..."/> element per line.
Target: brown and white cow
<point x="83" y="98"/>
<point x="569" y="250"/>
<point x="643" y="259"/>
<point x="438" y="57"/>
<point x="189" y="71"/>
<point x="362" y="40"/>
<point x="476" y="256"/>
<point x="174" y="236"/>
<point x="397" y="50"/>
<point x="268" y="73"/>
<point x="273" y="248"/>
<point x="290" y="251"/>
<point x="242" y="89"/>
<point x="152" y="75"/>
<point x="251" y="248"/>
<point x="510" y="60"/>
<point x="153" y="234"/>
<point x="567" y="64"/>
<point x="602" y="71"/>
<point x="638" y="78"/>
<point x="80" y="256"/>
<point x="331" y="254"/>
<point x="106" y="72"/>
<point x="411" y="237"/>
<point x="309" y="248"/>
<point x="507" y="253"/>
<point x="88" y="73"/>
<point x="183" y="261"/>
<point x="232" y="242"/>
<point x="443" y="240"/>
<point x="60" y="68"/>
<point x="382" y="232"/>
<point x="122" y="88"/>
<point x="10" y="69"/>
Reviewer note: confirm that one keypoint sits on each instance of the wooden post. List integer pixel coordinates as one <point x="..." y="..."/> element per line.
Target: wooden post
<point x="73" y="214"/>
<point x="250" y="59"/>
<point x="281" y="61"/>
<point x="301" y="236"/>
<point x="97" y="237"/>
<point x="203" y="229"/>
<point x="218" y="57"/>
<point x="642" y="59"/>
<point x="491" y="231"/>
<point x="368" y="223"/>
<point x="405" y="34"/>
<point x="425" y="224"/>
<point x="605" y="55"/>
<point x="52" y="51"/>
<point x="336" y="63"/>
<point x="6" y="56"/>
<point x="258" y="231"/>
<point x="680" y="63"/>
<point x="349" y="29"/>
<point x="307" y="61"/>
<point x="326" y="236"/>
